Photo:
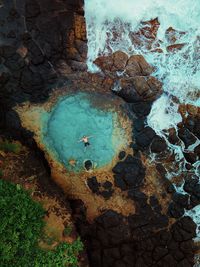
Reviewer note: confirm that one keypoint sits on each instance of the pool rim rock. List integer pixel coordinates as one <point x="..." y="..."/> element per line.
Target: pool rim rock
<point x="76" y="188"/>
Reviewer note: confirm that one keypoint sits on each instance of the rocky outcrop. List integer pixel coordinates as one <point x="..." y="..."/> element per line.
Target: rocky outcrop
<point x="135" y="65"/>
<point x="132" y="77"/>
<point x="132" y="215"/>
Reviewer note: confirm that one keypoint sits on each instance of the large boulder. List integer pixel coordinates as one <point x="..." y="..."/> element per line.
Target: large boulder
<point x="136" y="65"/>
<point x="140" y="88"/>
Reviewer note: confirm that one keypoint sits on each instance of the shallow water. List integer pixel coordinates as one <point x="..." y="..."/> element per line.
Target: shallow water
<point x="71" y="119"/>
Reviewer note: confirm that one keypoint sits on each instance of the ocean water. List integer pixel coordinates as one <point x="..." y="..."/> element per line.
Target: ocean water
<point x="71" y="119"/>
<point x="110" y="27"/>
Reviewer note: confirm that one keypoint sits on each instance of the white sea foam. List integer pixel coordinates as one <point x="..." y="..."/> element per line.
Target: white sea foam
<point x="167" y="117"/>
<point x="194" y="214"/>
<point x="180" y="71"/>
<point x="109" y="24"/>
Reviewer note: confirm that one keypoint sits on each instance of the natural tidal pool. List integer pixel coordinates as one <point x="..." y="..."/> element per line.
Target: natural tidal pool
<point x="78" y="115"/>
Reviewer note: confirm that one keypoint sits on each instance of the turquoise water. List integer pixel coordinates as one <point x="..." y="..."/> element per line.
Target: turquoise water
<point x="71" y="119"/>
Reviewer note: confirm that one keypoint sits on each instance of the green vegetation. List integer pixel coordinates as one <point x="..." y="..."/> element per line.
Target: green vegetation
<point x="21" y="227"/>
<point x="68" y="230"/>
<point x="7" y="146"/>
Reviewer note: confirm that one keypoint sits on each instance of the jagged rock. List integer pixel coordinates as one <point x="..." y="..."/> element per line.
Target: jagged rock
<point x="145" y="137"/>
<point x="93" y="184"/>
<point x="4" y="74"/>
<point x="107" y="185"/>
<point x="139" y="88"/>
<point x="122" y="155"/>
<point x="158" y="145"/>
<point x="180" y="199"/>
<point x="138" y="66"/>
<point x="116" y="62"/>
<point x="190" y="157"/>
<point x="190" y="184"/>
<point x="186" y="136"/>
<point x="141" y="109"/>
<point x="175" y="210"/>
<point x="175" y="47"/>
<point x="129" y="173"/>
<point x="106" y="193"/>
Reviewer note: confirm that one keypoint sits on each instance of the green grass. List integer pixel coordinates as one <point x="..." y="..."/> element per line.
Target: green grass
<point x="7" y="146"/>
<point x="21" y="228"/>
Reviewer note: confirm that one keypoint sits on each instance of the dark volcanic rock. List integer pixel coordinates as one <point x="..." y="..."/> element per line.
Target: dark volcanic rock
<point x="180" y="199"/>
<point x="129" y="173"/>
<point x="93" y="184"/>
<point x="122" y="155"/>
<point x="175" y="210"/>
<point x="141" y="109"/>
<point x="145" y="137"/>
<point x="105" y="189"/>
<point x="186" y="136"/>
<point x="115" y="240"/>
<point x="158" y="145"/>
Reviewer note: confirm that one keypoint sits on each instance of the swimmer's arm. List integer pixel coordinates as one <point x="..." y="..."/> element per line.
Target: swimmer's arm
<point x="80" y="141"/>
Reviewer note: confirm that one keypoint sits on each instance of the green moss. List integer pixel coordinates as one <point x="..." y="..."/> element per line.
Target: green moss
<point x="7" y="146"/>
<point x="21" y="228"/>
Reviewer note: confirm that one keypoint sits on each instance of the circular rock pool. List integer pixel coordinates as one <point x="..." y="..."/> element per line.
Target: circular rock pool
<point x="84" y="114"/>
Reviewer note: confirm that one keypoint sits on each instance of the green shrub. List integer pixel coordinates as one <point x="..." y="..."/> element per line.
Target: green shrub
<point x="7" y="146"/>
<point x="68" y="230"/>
<point x="21" y="227"/>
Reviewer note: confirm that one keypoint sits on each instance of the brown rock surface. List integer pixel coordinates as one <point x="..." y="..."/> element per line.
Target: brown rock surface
<point x="140" y="88"/>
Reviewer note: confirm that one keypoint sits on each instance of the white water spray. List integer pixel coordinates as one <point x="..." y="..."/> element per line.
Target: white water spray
<point x="111" y="26"/>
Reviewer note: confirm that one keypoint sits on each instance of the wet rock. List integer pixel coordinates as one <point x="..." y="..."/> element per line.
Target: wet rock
<point x="171" y="188"/>
<point x="137" y="195"/>
<point x="175" y="210"/>
<point x="88" y="165"/>
<point x="175" y="47"/>
<point x="106" y="194"/>
<point x="116" y="62"/>
<point x="197" y="151"/>
<point x="158" y="145"/>
<point x="180" y="199"/>
<point x="145" y="137"/>
<point x="138" y="66"/>
<point x="186" y="136"/>
<point x="173" y="35"/>
<point x="190" y="157"/>
<point x="107" y="185"/>
<point x="129" y="173"/>
<point x="122" y="155"/>
<point x="141" y="109"/>
<point x="139" y="125"/>
<point x="190" y="184"/>
<point x="119" y="182"/>
<point x="93" y="184"/>
<point x="139" y="88"/>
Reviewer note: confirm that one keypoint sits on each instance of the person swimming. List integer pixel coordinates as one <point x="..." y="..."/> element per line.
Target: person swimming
<point x="85" y="140"/>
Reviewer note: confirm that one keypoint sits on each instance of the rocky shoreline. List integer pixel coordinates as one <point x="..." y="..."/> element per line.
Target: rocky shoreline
<point x="43" y="49"/>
